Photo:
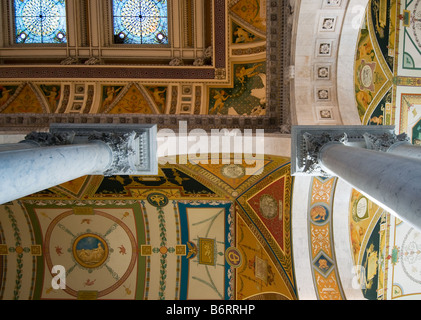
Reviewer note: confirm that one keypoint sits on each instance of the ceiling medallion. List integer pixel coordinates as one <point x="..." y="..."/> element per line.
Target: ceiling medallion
<point x="157" y="199"/>
<point x="268" y="206"/>
<point x="90" y="250"/>
<point x="233" y="171"/>
<point x="234" y="257"/>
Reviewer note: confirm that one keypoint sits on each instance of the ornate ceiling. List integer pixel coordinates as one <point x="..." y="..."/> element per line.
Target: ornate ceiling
<point x="191" y="232"/>
<point x="216" y="71"/>
<point x="352" y="247"/>
<point x="211" y="231"/>
<point x="387" y="88"/>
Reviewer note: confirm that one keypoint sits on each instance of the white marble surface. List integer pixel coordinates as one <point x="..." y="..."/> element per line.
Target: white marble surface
<point x="26" y="171"/>
<point x="343" y="37"/>
<point x="407" y="150"/>
<point x="11" y="138"/>
<point x="346" y="59"/>
<point x="341" y="240"/>
<point x="181" y="144"/>
<point x="300" y="240"/>
<point x="390" y="179"/>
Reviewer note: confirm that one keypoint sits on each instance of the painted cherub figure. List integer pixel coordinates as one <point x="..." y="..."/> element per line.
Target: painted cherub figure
<point x="160" y="98"/>
<point x="52" y="96"/>
<point x="220" y="98"/>
<point x="242" y="72"/>
<point x="5" y="95"/>
<point x="111" y="94"/>
<point x="242" y="36"/>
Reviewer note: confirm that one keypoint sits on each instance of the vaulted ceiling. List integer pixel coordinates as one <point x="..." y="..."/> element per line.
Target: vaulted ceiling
<point x="217" y="53"/>
<point x="192" y="232"/>
<point x="214" y="231"/>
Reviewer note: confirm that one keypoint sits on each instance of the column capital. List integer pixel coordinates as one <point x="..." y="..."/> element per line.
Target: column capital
<point x="123" y="147"/>
<point x="385" y="141"/>
<point x="307" y="141"/>
<point x="133" y="147"/>
<point x="45" y="139"/>
<point x="313" y="144"/>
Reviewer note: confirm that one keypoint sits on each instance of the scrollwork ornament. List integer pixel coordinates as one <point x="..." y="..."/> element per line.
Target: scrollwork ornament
<point x="70" y="61"/>
<point x="384" y="141"/>
<point x="176" y="62"/>
<point x="121" y="147"/>
<point x="313" y="145"/>
<point x="44" y="139"/>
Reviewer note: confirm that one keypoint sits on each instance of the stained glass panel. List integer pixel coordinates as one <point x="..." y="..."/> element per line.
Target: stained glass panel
<point x="140" y="21"/>
<point x="40" y="21"/>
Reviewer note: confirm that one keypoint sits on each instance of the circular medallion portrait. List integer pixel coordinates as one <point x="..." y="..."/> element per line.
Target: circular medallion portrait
<point x="360" y="209"/>
<point x="319" y="214"/>
<point x="233" y="171"/>
<point x="90" y="250"/>
<point x="268" y="206"/>
<point x="367" y="76"/>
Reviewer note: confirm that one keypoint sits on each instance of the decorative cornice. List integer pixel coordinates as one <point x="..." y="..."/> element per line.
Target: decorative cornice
<point x="277" y="118"/>
<point x="278" y="56"/>
<point x="25" y="123"/>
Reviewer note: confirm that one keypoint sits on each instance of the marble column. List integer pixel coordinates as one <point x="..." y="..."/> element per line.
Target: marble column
<point x="46" y="159"/>
<point x="29" y="170"/>
<point x="392" y="143"/>
<point x="372" y="159"/>
<point x="390" y="179"/>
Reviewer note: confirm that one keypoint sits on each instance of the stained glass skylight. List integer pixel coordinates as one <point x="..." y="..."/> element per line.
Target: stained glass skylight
<point x="140" y="21"/>
<point x="40" y="21"/>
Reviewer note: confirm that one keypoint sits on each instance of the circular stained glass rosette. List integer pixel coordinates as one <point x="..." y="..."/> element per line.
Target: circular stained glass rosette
<point x="140" y="22"/>
<point x="40" y="21"/>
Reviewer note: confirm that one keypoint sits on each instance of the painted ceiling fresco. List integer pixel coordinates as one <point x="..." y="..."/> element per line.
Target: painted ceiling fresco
<point x="375" y="66"/>
<point x="388" y="64"/>
<point x="238" y="89"/>
<point x="191" y="232"/>
<point x="198" y="231"/>
<point x="385" y="251"/>
<point x="387" y="86"/>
